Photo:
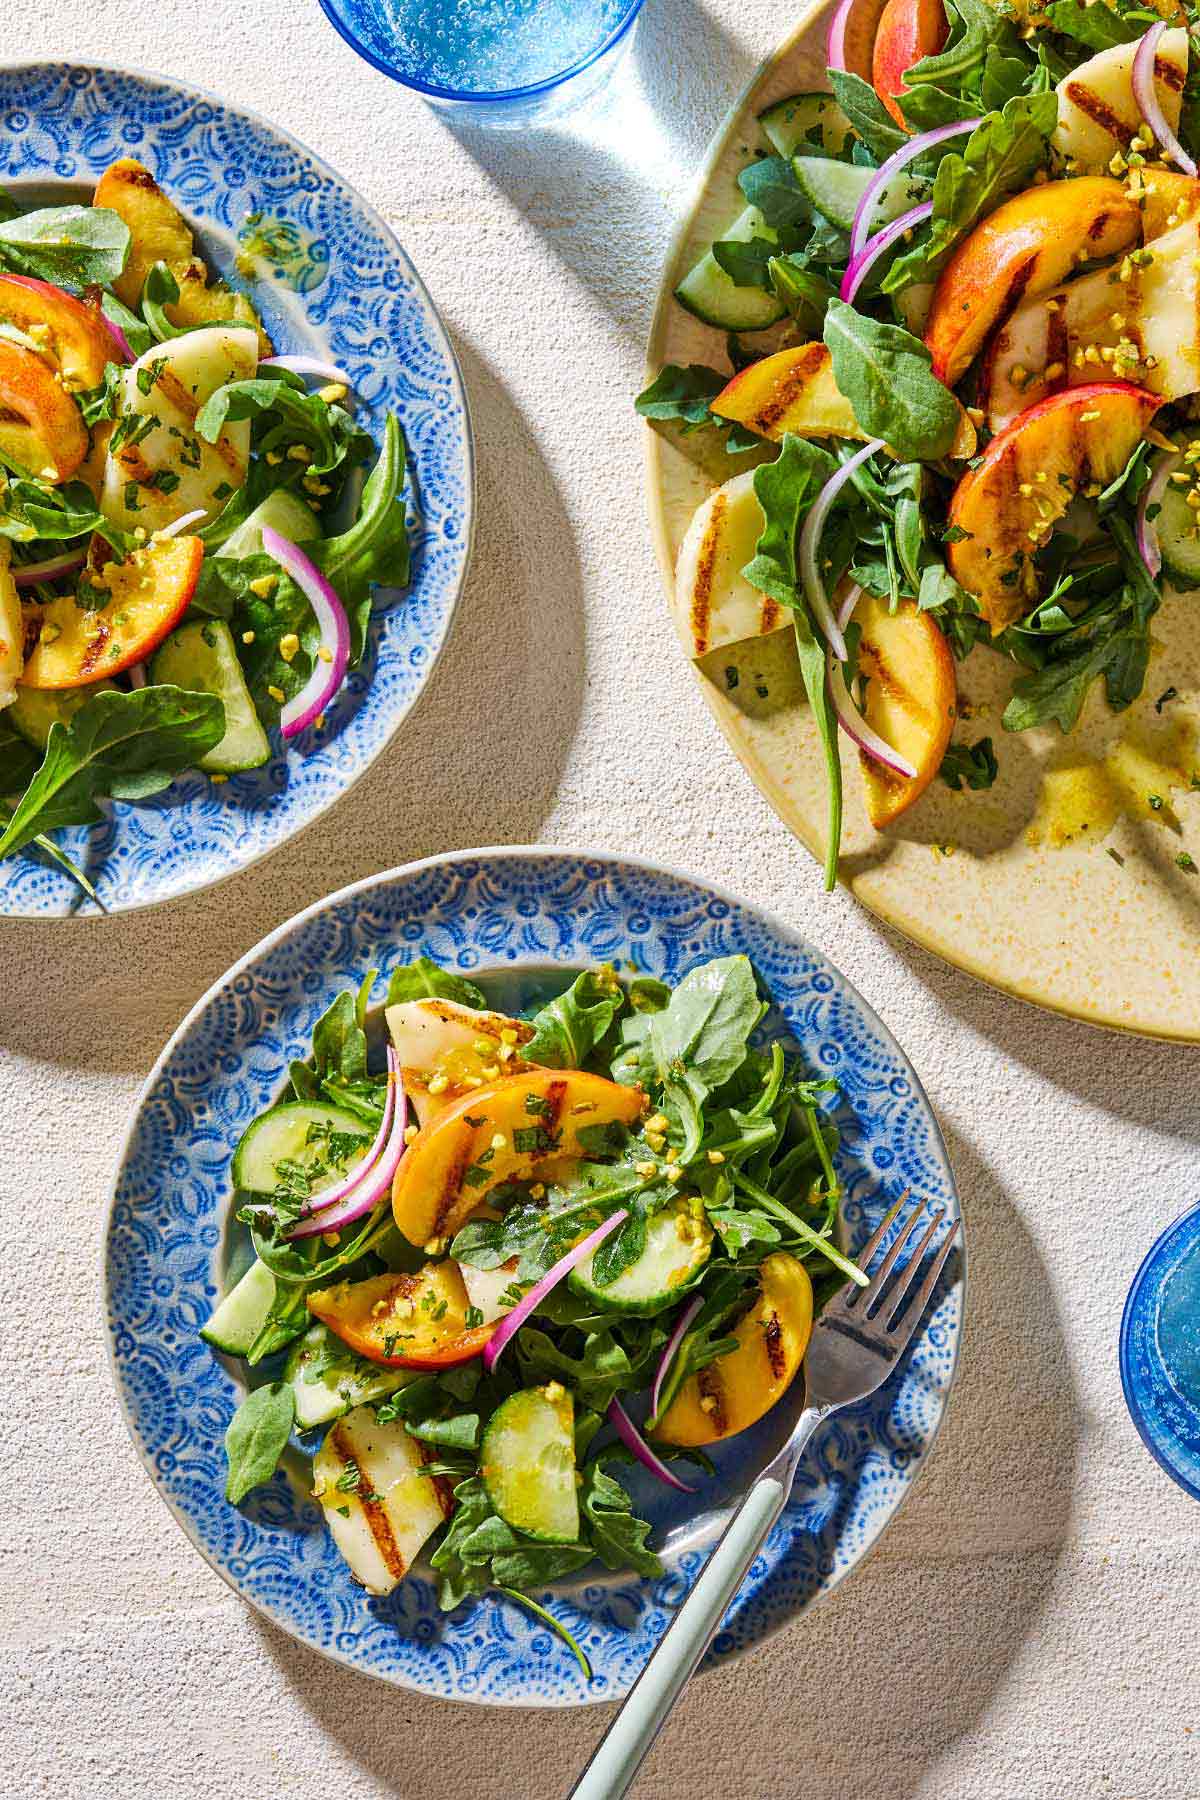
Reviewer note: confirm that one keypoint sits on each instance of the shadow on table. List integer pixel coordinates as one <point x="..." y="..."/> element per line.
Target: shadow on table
<point x="893" y="1669"/>
<point x="594" y="184"/>
<point x="478" y="761"/>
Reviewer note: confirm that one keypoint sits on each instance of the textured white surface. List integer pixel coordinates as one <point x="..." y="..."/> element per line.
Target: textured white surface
<point x="1029" y="1627"/>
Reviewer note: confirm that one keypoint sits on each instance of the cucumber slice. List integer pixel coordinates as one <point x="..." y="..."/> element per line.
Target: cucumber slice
<point x="35" y="710"/>
<point x="677" y="1248"/>
<point x="284" y="511"/>
<point x="282" y="1134"/>
<point x="1176" y="527"/>
<point x="835" y="189"/>
<point x="343" y="1380"/>
<point x="242" y="1314"/>
<point x="802" y="119"/>
<point x="200" y="657"/>
<point x="708" y="292"/>
<point x="527" y="1460"/>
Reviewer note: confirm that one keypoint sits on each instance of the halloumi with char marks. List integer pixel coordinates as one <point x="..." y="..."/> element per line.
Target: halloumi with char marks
<point x="378" y="1502"/>
<point x="1097" y="113"/>
<point x="446" y="1049"/>
<point x="158" y="467"/>
<point x="714" y="603"/>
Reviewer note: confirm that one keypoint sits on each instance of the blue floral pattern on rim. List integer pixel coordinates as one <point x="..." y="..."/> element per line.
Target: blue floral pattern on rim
<point x="493" y="910"/>
<point x="1167" y="1421"/>
<point x="363" y="306"/>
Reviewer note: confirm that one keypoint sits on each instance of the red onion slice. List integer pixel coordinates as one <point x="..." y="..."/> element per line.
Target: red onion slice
<point x="668" y="1356"/>
<point x="848" y="603"/>
<point x="120" y="342"/>
<point x="633" y="1440"/>
<point x="326" y="677"/>
<point x="899" y="159"/>
<point x="181" y="523"/>
<point x="1146" y="95"/>
<point x="308" y="365"/>
<point x="512" y="1321"/>
<point x="137" y="675"/>
<point x="371" y="1181"/>
<point x="856" y="727"/>
<point x="1152" y="493"/>
<point x="65" y="563"/>
<point x="810" y="544"/>
<point x="861" y="265"/>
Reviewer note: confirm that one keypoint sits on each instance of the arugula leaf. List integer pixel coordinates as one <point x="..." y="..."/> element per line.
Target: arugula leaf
<point x="867" y="113"/>
<point x="1000" y="155"/>
<point x="805" y="294"/>
<point x="555" y="1625"/>
<point x="682" y="393"/>
<point x="770" y="185"/>
<point x="127" y="746"/>
<point x="621" y="1250"/>
<point x="1096" y="27"/>
<point x="602" y="1369"/>
<point x="18" y="760"/>
<point x="1056" y="693"/>
<point x="422" y="979"/>
<point x="746" y="261"/>
<point x="618" y="1535"/>
<point x="72" y="246"/>
<point x="257" y="1437"/>
<point x="456" y="1577"/>
<point x="374" y="550"/>
<point x="701" y="1037"/>
<point x="568" y="1028"/>
<point x="31" y="510"/>
<point x="287" y="414"/>
<point x="973" y="763"/>
<point x="138" y="334"/>
<point x="978" y="27"/>
<point x="886" y="375"/>
<point x="785" y="488"/>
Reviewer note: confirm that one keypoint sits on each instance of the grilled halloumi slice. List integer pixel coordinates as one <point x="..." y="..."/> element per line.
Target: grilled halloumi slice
<point x="1136" y="322"/>
<point x="454" y="1047"/>
<point x="12" y="631"/>
<point x="714" y="603"/>
<point x="1097" y="113"/>
<point x="378" y="1502"/>
<point x="486" y="1286"/>
<point x="167" y="387"/>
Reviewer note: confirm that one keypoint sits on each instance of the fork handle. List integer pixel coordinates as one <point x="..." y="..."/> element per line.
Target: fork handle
<point x="648" y="1703"/>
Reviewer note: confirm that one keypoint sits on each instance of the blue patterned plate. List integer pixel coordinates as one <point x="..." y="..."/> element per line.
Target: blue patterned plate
<point x="518" y="920"/>
<point x="1160" y="1351"/>
<point x="348" y="292"/>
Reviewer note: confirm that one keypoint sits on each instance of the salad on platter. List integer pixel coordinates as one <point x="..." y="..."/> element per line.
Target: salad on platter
<point x="188" y="547"/>
<point x="486" y="1261"/>
<point x="953" y="407"/>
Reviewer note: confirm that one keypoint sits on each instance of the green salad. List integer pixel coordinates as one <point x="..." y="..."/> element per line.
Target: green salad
<point x="495" y="1260"/>
<point x="188" y="548"/>
<point x="949" y="406"/>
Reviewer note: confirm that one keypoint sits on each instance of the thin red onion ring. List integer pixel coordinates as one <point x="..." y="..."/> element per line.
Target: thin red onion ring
<point x="65" y="563"/>
<point x="860" y="266"/>
<point x="512" y="1321"/>
<point x="308" y="365"/>
<point x="364" y="1187"/>
<point x="120" y="342"/>
<point x="810" y="544"/>
<point x="864" y="212"/>
<point x="668" y="1356"/>
<point x="1146" y="95"/>
<point x="181" y="523"/>
<point x="849" y="601"/>
<point x="137" y="675"/>
<point x="1147" y="532"/>
<point x="326" y="677"/>
<point x="633" y="1440"/>
<point x="856" y="727"/>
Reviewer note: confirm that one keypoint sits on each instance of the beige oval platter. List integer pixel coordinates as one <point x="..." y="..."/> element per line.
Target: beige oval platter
<point x="1104" y="926"/>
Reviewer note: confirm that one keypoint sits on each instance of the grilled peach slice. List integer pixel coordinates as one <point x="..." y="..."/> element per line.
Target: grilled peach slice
<point x="794" y="390"/>
<point x="1022" y="250"/>
<point x="41" y="428"/>
<point x="148" y="593"/>
<point x="910" y="701"/>
<point x="158" y="230"/>
<point x="1009" y="504"/>
<point x="504" y="1131"/>
<point x="735" y="1391"/>
<point x="908" y="30"/>
<point x="1170" y="198"/>
<point x="404" y="1321"/>
<point x="71" y="331"/>
<point x="12" y="630"/>
<point x="858" y="37"/>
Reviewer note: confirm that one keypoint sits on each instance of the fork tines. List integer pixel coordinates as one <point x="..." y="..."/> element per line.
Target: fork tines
<point x="889" y="1312"/>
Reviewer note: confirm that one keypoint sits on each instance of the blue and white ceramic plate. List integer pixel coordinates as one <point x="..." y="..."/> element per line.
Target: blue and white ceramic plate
<point x="348" y="293"/>
<point x="520" y="921"/>
<point x="1160" y="1351"/>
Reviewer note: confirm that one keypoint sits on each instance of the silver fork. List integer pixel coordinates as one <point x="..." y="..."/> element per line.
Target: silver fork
<point x="855" y="1344"/>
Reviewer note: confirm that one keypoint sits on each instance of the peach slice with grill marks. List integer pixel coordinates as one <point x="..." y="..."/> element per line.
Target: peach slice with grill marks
<point x="147" y="594"/>
<point x="908" y="30"/>
<point x="1008" y="505"/>
<point x="41" y="428"/>
<point x="911" y="692"/>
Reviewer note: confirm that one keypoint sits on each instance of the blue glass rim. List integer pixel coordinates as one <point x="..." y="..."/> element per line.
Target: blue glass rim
<point x="1129" y="1383"/>
<point x="463" y="97"/>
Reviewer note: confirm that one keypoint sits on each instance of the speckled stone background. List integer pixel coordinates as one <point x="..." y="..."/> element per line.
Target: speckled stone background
<point x="1029" y="1628"/>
